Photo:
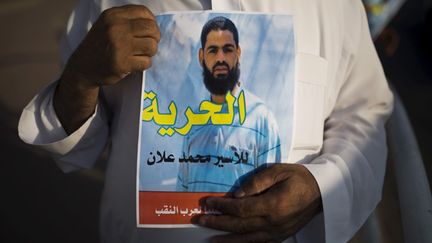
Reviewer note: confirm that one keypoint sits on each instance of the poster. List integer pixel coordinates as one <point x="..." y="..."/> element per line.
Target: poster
<point x="216" y="105"/>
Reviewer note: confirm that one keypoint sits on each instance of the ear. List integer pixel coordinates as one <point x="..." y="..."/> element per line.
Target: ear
<point x="238" y="52"/>
<point x="201" y="56"/>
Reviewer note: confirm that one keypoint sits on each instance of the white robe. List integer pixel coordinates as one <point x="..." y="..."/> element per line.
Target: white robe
<point x="342" y="102"/>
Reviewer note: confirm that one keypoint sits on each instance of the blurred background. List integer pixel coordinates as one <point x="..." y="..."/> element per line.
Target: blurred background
<point x="39" y="203"/>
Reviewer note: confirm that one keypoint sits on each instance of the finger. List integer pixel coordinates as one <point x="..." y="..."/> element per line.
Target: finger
<point x="263" y="180"/>
<point x="242" y="207"/>
<point x="145" y="28"/>
<point x="260" y="236"/>
<point x="131" y="11"/>
<point x="139" y="63"/>
<point x="232" y="223"/>
<point x="144" y="47"/>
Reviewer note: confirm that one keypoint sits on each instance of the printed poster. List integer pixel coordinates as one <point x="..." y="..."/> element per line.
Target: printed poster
<point x="217" y="104"/>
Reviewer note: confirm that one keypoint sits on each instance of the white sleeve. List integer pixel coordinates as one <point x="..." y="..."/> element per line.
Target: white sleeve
<point x="39" y="124"/>
<point x="80" y="21"/>
<point x="350" y="170"/>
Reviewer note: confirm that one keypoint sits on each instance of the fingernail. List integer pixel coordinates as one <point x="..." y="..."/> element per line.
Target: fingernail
<point x="239" y="193"/>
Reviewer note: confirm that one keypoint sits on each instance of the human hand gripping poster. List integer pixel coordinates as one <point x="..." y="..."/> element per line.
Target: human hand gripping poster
<point x="216" y="105"/>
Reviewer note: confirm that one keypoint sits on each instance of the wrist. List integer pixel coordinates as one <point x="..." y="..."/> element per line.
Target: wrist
<point x="75" y="91"/>
<point x="74" y="104"/>
<point x="76" y="81"/>
<point x="75" y="99"/>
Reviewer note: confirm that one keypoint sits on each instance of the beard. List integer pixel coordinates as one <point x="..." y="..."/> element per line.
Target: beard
<point x="222" y="83"/>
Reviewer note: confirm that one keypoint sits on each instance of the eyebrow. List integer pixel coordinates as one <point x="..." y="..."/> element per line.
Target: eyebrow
<point x="225" y="46"/>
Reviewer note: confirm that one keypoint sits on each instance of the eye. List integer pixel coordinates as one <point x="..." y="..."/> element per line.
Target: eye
<point x="228" y="49"/>
<point x="212" y="50"/>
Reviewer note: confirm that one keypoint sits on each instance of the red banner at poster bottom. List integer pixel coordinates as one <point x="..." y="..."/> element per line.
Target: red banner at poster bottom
<point x="159" y="208"/>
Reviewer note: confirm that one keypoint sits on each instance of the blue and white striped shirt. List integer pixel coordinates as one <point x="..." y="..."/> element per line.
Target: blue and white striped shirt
<point x="243" y="147"/>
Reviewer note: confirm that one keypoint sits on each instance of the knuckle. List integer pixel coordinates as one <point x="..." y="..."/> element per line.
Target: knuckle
<point x="154" y="28"/>
<point x="255" y="185"/>
<point x="149" y="26"/>
<point x="146" y="11"/>
<point x="143" y="10"/>
<point x="152" y="47"/>
<point x="107" y="16"/>
<point x="145" y="28"/>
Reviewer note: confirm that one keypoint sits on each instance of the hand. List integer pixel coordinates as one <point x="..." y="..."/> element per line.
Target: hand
<point x="272" y="205"/>
<point x="121" y="41"/>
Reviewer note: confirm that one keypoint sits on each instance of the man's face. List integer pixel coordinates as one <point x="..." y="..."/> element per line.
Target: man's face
<point x="220" y="59"/>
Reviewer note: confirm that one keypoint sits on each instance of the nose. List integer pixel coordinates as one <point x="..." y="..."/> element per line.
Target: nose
<point x="220" y="57"/>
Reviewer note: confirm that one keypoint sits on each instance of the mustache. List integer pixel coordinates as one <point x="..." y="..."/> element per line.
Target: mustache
<point x="220" y="64"/>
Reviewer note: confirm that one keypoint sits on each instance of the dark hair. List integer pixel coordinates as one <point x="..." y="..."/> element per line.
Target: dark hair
<point x="218" y="23"/>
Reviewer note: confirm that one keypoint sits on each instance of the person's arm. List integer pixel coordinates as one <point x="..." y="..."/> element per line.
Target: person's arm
<point x="72" y="124"/>
<point x="121" y="41"/>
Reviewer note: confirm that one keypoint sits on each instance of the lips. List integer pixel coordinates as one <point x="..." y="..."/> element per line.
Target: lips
<point x="221" y="68"/>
